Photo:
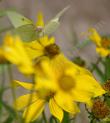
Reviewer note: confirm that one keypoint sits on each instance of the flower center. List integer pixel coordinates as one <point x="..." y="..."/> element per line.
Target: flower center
<point x="106" y="86"/>
<point x="105" y="42"/>
<point x="100" y="109"/>
<point x="52" y="50"/>
<point x="66" y="83"/>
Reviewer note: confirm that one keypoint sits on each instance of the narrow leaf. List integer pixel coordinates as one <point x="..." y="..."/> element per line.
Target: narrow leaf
<point x="9" y="109"/>
<point x="107" y="68"/>
<point x="9" y="119"/>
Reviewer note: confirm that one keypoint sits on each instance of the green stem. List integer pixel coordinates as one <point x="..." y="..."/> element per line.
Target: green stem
<point x="44" y="117"/>
<point x="55" y="119"/>
<point x="92" y="121"/>
<point x="11" y="80"/>
<point x="18" y="118"/>
<point x="87" y="109"/>
<point x="97" y="62"/>
<point x="2" y="90"/>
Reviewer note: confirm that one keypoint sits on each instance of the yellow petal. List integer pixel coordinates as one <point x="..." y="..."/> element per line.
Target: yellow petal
<point x="88" y="86"/>
<point x="55" y="110"/>
<point x="45" y="77"/>
<point x="102" y="51"/>
<point x="25" y="85"/>
<point x="34" y="49"/>
<point x="45" y="83"/>
<point x="11" y="56"/>
<point x="61" y="65"/>
<point x="24" y="101"/>
<point x="47" y="69"/>
<point x="15" y="53"/>
<point x="82" y="96"/>
<point x="45" y="41"/>
<point x="95" y="37"/>
<point x="65" y="101"/>
<point x="40" y="21"/>
<point x="33" y="111"/>
<point x="92" y="85"/>
<point x="8" y="40"/>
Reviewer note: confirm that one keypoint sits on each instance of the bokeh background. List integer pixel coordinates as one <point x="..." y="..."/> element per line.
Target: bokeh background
<point x="82" y="15"/>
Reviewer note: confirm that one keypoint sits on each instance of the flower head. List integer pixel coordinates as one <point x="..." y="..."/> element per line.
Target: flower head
<point x="106" y="86"/>
<point x="14" y="51"/>
<point x="58" y="80"/>
<point x="41" y="95"/>
<point x="100" y="109"/>
<point x="66" y="74"/>
<point x="42" y="47"/>
<point x="70" y="78"/>
<point x="102" y="43"/>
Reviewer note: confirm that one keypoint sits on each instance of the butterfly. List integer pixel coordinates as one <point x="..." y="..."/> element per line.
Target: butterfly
<point x="28" y="31"/>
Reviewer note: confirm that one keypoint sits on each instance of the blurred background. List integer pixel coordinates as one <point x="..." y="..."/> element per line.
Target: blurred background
<point x="82" y="15"/>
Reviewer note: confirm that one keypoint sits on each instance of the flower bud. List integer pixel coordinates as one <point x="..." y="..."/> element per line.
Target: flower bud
<point x="100" y="109"/>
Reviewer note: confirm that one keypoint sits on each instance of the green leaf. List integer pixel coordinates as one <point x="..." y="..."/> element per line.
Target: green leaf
<point x="17" y="19"/>
<point x="9" y="109"/>
<point x="51" y="119"/>
<point x="9" y="119"/>
<point x="107" y="68"/>
<point x="107" y="100"/>
<point x="26" y="32"/>
<point x="54" y="23"/>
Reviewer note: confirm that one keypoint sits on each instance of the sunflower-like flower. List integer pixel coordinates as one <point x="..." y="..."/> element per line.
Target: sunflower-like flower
<point x="100" y="109"/>
<point x="60" y="83"/>
<point x="46" y="89"/>
<point x="46" y="48"/>
<point x="14" y="51"/>
<point x="102" y="43"/>
<point x="42" y="47"/>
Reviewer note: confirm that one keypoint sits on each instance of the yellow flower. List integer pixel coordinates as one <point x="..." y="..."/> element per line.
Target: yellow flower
<point x="15" y="53"/>
<point x="60" y="83"/>
<point x="71" y="79"/>
<point x="43" y="47"/>
<point x="55" y="72"/>
<point x="102" y="43"/>
<point x="42" y="94"/>
<point x="59" y="63"/>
